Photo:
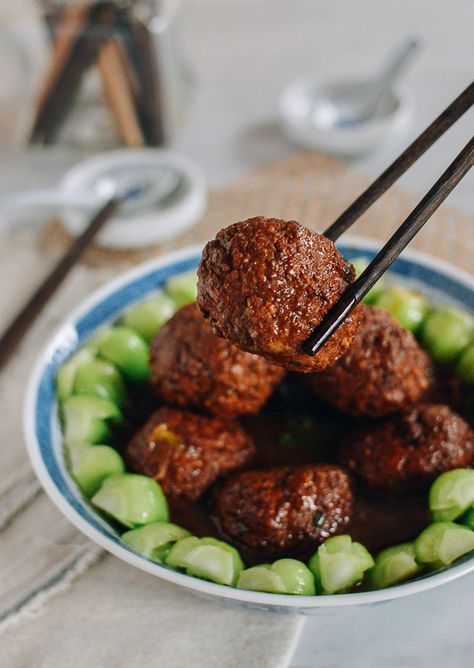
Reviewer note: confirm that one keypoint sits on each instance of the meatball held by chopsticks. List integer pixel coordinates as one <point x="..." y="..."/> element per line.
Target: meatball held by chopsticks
<point x="384" y="370"/>
<point x="407" y="451"/>
<point x="185" y="452"/>
<point x="265" y="284"/>
<point x="284" y="507"/>
<point x="191" y="366"/>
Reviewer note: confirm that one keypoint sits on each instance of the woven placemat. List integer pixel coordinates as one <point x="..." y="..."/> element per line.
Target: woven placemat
<point x="312" y="189"/>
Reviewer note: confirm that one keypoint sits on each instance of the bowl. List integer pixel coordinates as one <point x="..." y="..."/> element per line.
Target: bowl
<point x="296" y="105"/>
<point x="440" y="281"/>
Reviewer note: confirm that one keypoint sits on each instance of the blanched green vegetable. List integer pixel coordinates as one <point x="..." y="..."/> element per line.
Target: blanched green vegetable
<point x="89" y="419"/>
<point x="132" y="499"/>
<point x="446" y="332"/>
<point x="180" y="550"/>
<point x="339" y="564"/>
<point x="126" y="349"/>
<point x="360" y="264"/>
<point x="261" y="578"/>
<point x="394" y="565"/>
<point x="100" y="379"/>
<point x="91" y="464"/>
<point x="206" y="558"/>
<point x="442" y="543"/>
<point x="285" y="576"/>
<point x="67" y="372"/>
<point x="408" y="307"/>
<point x="154" y="541"/>
<point x="465" y="365"/>
<point x="148" y="316"/>
<point x="182" y="288"/>
<point x="451" y="494"/>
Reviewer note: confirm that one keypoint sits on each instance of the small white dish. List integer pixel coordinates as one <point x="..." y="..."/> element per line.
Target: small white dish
<point x="140" y="226"/>
<point x="297" y="109"/>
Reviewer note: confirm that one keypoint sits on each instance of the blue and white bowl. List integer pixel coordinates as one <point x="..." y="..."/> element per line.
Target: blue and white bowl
<point x="439" y="280"/>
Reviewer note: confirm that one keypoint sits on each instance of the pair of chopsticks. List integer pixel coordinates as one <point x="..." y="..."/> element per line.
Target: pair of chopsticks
<point x="410" y="226"/>
<point x="82" y="33"/>
<point x="110" y="36"/>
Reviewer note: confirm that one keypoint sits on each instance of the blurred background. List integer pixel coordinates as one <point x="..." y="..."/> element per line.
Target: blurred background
<point x="237" y="56"/>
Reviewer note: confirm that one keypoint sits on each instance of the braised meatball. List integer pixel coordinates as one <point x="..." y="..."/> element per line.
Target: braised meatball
<point x="284" y="507"/>
<point x="191" y="366"/>
<point x="265" y="284"/>
<point x="185" y="452"/>
<point x="409" y="450"/>
<point x="383" y="371"/>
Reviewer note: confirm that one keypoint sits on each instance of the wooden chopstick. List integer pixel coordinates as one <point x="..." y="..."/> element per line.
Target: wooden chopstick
<point x="409" y="156"/>
<point x="150" y="103"/>
<point x="64" y="29"/>
<point x="95" y="31"/>
<point x="392" y="249"/>
<point x="25" y="317"/>
<point x="118" y="95"/>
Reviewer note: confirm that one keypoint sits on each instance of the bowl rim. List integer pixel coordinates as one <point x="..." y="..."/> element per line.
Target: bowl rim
<point x="257" y="599"/>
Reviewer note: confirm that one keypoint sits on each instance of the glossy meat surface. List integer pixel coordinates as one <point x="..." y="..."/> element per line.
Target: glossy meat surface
<point x="191" y="366"/>
<point x="407" y="451"/>
<point x="384" y="370"/>
<point x="265" y="283"/>
<point x="186" y="452"/>
<point x="284" y="507"/>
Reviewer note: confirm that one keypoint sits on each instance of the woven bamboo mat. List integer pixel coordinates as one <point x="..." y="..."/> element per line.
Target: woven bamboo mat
<point x="312" y="189"/>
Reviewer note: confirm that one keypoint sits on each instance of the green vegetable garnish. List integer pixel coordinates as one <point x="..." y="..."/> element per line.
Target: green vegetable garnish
<point x="132" y="499"/>
<point x="394" y="565"/>
<point x="91" y="464"/>
<point x="442" y="543"/>
<point x="451" y="494"/>
<point x="154" y="541"/>
<point x="285" y="576"/>
<point x="147" y="317"/>
<point x="338" y="564"/>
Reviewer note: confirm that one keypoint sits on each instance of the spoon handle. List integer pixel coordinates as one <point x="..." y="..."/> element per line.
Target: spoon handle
<point x="31" y="199"/>
<point x="395" y="65"/>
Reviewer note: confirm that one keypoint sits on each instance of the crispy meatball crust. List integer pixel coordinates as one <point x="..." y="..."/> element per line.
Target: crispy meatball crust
<point x="383" y="371"/>
<point x="191" y="366"/>
<point x="409" y="450"/>
<point x="284" y="507"/>
<point x="185" y="452"/>
<point x="265" y="283"/>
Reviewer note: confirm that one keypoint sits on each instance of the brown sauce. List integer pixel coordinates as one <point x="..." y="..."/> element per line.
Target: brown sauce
<point x="295" y="428"/>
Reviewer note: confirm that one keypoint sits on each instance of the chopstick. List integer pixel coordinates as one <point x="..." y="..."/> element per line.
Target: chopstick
<point x="117" y="93"/>
<point x="17" y="328"/>
<point x="392" y="249"/>
<point x="65" y="76"/>
<point x="409" y="156"/>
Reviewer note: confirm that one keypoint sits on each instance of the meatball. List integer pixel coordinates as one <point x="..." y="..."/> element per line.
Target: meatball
<point x="185" y="452"/>
<point x="191" y="366"/>
<point x="265" y="284"/>
<point x="383" y="371"/>
<point x="284" y="507"/>
<point x="409" y="450"/>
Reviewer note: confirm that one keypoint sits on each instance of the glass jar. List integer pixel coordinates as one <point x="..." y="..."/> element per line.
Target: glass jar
<point x="105" y="73"/>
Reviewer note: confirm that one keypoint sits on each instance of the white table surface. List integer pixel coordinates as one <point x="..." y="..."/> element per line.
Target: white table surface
<point x="244" y="52"/>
